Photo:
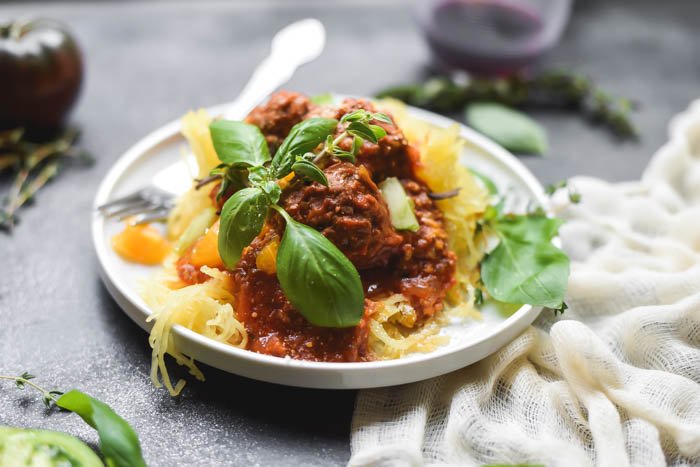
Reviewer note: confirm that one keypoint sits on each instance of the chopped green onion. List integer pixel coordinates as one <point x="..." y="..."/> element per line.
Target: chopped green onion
<point x="196" y="229"/>
<point x="400" y="207"/>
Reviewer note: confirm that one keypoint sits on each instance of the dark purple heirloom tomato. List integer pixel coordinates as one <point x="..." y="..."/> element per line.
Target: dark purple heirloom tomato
<point x="41" y="71"/>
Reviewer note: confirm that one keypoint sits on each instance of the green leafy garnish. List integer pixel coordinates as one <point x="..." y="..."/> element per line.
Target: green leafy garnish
<point x="526" y="267"/>
<point x="317" y="278"/>
<point x="239" y="144"/>
<point x="400" y="209"/>
<point x="241" y="219"/>
<point x="485" y="181"/>
<point x="510" y="128"/>
<point x="118" y="441"/>
<point x="310" y="171"/>
<point x="322" y="99"/>
<point x="119" y="444"/>
<point x="305" y="136"/>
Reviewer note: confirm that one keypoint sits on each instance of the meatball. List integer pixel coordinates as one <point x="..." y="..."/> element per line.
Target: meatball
<point x="350" y="212"/>
<point x="278" y="115"/>
<point x="389" y="157"/>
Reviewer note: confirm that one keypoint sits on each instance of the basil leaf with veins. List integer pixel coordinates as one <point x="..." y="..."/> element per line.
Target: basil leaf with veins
<point x="317" y="278"/>
<point x="526" y="267"/>
<point x="302" y="138"/>
<point x="239" y="144"/>
<point x="242" y="218"/>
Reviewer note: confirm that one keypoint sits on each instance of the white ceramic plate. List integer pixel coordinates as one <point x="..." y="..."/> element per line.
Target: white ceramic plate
<point x="470" y="340"/>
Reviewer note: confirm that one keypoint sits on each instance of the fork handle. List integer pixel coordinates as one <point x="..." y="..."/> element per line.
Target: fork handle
<point x="278" y="67"/>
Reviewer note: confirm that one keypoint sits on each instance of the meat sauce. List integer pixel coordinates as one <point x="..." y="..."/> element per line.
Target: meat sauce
<point x="352" y="214"/>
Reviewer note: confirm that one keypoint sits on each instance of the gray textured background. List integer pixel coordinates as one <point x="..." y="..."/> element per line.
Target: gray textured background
<point x="147" y="63"/>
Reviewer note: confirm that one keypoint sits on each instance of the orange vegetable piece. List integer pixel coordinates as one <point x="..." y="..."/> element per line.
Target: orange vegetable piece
<point x="205" y="251"/>
<point x="266" y="260"/>
<point x="141" y="244"/>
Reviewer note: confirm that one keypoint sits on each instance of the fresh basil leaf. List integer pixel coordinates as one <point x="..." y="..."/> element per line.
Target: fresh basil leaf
<point x="511" y="129"/>
<point x="310" y="171"/>
<point x="241" y="219"/>
<point x="518" y="271"/>
<point x="303" y="137"/>
<point x="322" y="99"/>
<point x="362" y="130"/>
<point x="317" y="278"/>
<point x="118" y="441"/>
<point x="485" y="181"/>
<point x="530" y="228"/>
<point x="239" y="144"/>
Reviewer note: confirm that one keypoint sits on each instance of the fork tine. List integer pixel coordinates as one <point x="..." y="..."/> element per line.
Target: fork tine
<point x="130" y="198"/>
<point x="144" y="218"/>
<point x="149" y="208"/>
<point x="128" y="209"/>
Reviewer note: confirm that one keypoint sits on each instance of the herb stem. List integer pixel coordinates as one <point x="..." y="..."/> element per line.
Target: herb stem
<point x="326" y="151"/>
<point x="21" y="381"/>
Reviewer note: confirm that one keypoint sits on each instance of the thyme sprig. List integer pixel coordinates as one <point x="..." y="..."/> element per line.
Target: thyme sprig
<point x="34" y="164"/>
<point x="48" y="396"/>
<point x="555" y="88"/>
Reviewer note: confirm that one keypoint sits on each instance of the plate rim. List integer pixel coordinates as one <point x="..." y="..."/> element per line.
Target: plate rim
<point x="134" y="306"/>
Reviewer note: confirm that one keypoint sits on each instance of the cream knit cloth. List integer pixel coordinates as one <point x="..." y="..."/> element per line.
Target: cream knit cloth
<point x="615" y="381"/>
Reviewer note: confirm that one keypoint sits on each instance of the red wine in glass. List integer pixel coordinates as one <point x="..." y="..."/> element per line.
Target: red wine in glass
<point x="491" y="36"/>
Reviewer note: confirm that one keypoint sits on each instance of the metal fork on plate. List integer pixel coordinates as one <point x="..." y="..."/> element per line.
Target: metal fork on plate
<point x="296" y="44"/>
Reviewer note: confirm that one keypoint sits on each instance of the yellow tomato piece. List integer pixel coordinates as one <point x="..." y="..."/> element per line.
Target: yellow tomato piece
<point x="205" y="251"/>
<point x="266" y="260"/>
<point x="141" y="244"/>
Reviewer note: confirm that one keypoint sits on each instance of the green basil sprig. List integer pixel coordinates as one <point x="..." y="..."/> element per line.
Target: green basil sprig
<point x="317" y="278"/>
<point x="524" y="267"/>
<point x="239" y="144"/>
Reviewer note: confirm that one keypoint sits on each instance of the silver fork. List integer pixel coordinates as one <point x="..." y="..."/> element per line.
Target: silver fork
<point x="292" y="46"/>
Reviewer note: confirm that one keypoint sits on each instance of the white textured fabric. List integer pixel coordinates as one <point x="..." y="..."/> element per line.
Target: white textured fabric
<point x="615" y="381"/>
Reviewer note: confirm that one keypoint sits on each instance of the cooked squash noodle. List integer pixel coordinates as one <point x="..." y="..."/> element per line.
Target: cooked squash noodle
<point x="204" y="308"/>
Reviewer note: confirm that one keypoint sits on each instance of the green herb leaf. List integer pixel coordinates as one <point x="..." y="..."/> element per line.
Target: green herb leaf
<point x="118" y="441"/>
<point x="356" y="145"/>
<point x="382" y="118"/>
<point x="531" y="228"/>
<point x="362" y="130"/>
<point x="241" y="219"/>
<point x="356" y="116"/>
<point x="310" y="171"/>
<point x="317" y="278"/>
<point x="239" y="144"/>
<point x="303" y="137"/>
<point x="400" y="209"/>
<point x="525" y="267"/>
<point x="511" y="129"/>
